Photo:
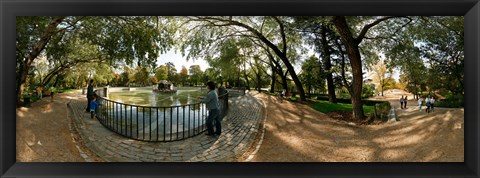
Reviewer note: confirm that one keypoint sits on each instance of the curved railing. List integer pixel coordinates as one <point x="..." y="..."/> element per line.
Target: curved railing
<point x="152" y="123"/>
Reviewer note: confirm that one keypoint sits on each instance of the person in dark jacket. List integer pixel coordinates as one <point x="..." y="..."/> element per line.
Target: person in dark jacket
<point x="89" y="95"/>
<point x="211" y="101"/>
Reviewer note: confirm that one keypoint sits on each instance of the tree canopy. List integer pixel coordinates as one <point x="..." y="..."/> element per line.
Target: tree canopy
<point x="259" y="51"/>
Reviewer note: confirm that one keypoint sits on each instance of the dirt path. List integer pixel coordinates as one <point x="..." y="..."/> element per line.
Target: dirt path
<point x="43" y="133"/>
<point x="297" y="133"/>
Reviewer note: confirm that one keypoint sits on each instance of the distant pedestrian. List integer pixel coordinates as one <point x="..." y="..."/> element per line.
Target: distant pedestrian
<point x="405" y="102"/>
<point x="39" y="91"/>
<point x="401" y="102"/>
<point x="52" y="90"/>
<point x="420" y="100"/>
<point x="93" y="106"/>
<point x="428" y="104"/>
<point x="432" y="103"/>
<point x="89" y="95"/>
<point x="211" y="102"/>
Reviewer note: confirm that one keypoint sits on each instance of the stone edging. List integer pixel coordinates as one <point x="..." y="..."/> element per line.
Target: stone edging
<point x="259" y="143"/>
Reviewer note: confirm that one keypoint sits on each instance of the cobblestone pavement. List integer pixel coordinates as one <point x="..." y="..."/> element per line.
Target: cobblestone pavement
<point x="239" y="129"/>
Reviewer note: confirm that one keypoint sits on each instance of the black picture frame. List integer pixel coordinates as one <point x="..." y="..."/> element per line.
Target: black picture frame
<point x="9" y="9"/>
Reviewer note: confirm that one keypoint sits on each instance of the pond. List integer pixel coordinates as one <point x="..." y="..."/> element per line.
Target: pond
<point x="147" y="115"/>
<point x="150" y="98"/>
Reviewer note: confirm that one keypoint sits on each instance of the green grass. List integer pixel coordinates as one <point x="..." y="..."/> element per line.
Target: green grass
<point x="326" y="107"/>
<point x="66" y="90"/>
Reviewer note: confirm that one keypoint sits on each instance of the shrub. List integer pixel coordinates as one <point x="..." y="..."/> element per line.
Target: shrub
<point x="347" y="100"/>
<point x="381" y="111"/>
<point x="456" y="101"/>
<point x="367" y="90"/>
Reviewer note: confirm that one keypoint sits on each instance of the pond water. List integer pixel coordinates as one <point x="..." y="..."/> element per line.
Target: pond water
<point x="150" y="98"/>
<point x="142" y="121"/>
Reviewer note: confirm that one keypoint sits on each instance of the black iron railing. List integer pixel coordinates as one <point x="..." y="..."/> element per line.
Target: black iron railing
<point x="152" y="123"/>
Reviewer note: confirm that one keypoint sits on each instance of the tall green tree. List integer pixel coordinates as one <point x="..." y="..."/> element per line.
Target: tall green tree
<point x="352" y="42"/>
<point x="130" y="39"/>
<point x="142" y="76"/>
<point x="251" y="27"/>
<point x="443" y="46"/>
<point x="319" y="34"/>
<point x="311" y="75"/>
<point x="171" y="72"/>
<point x="127" y="76"/>
<point x="382" y="76"/>
<point x="162" y="73"/>
<point x="195" y="74"/>
<point x="183" y="75"/>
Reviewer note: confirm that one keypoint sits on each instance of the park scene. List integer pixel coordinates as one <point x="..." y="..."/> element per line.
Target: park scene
<point x="240" y="89"/>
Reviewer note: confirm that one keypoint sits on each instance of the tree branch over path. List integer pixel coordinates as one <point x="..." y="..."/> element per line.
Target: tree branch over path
<point x="365" y="29"/>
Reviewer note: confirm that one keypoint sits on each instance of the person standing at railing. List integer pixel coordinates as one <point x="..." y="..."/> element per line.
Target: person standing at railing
<point x="211" y="101"/>
<point x="93" y="106"/>
<point x="89" y="95"/>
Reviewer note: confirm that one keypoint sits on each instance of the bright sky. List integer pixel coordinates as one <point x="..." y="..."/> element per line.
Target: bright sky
<point x="179" y="61"/>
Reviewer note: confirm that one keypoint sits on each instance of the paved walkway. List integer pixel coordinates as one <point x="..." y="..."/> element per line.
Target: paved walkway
<point x="240" y="129"/>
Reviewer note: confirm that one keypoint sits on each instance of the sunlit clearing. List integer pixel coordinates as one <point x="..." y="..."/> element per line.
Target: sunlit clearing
<point x="448" y="116"/>
<point x="20" y="114"/>
<point x="457" y="126"/>
<point x="357" y="153"/>
<point x="392" y="154"/>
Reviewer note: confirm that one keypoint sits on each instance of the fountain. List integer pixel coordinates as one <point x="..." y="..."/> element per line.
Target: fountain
<point x="165" y="87"/>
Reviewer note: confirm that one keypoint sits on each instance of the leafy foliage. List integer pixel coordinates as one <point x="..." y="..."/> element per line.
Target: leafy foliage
<point x="312" y="76"/>
<point x="368" y="90"/>
<point x="195" y="74"/>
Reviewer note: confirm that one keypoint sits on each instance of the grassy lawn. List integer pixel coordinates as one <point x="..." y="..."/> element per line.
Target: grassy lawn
<point x="66" y="90"/>
<point x="326" y="107"/>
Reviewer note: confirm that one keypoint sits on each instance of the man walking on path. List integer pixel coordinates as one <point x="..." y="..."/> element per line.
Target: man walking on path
<point x="427" y="102"/>
<point x="432" y="101"/>
<point x="401" y="102"/>
<point x="213" y="110"/>
<point x="89" y="95"/>
<point x="405" y="102"/>
<point x="52" y="90"/>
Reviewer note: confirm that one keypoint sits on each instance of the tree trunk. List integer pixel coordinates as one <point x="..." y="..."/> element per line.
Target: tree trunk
<point x="284" y="82"/>
<point x="328" y="66"/>
<point x="259" y="81"/>
<point x="37" y="49"/>
<point x="245" y="75"/>
<point x="56" y="81"/>
<point x="355" y="62"/>
<point x="282" y="54"/>
<point x="272" y="86"/>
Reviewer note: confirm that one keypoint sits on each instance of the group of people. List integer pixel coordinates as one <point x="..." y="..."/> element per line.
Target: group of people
<point x="429" y="102"/>
<point x="92" y="102"/>
<point x="40" y="92"/>
<point x="403" y="102"/>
